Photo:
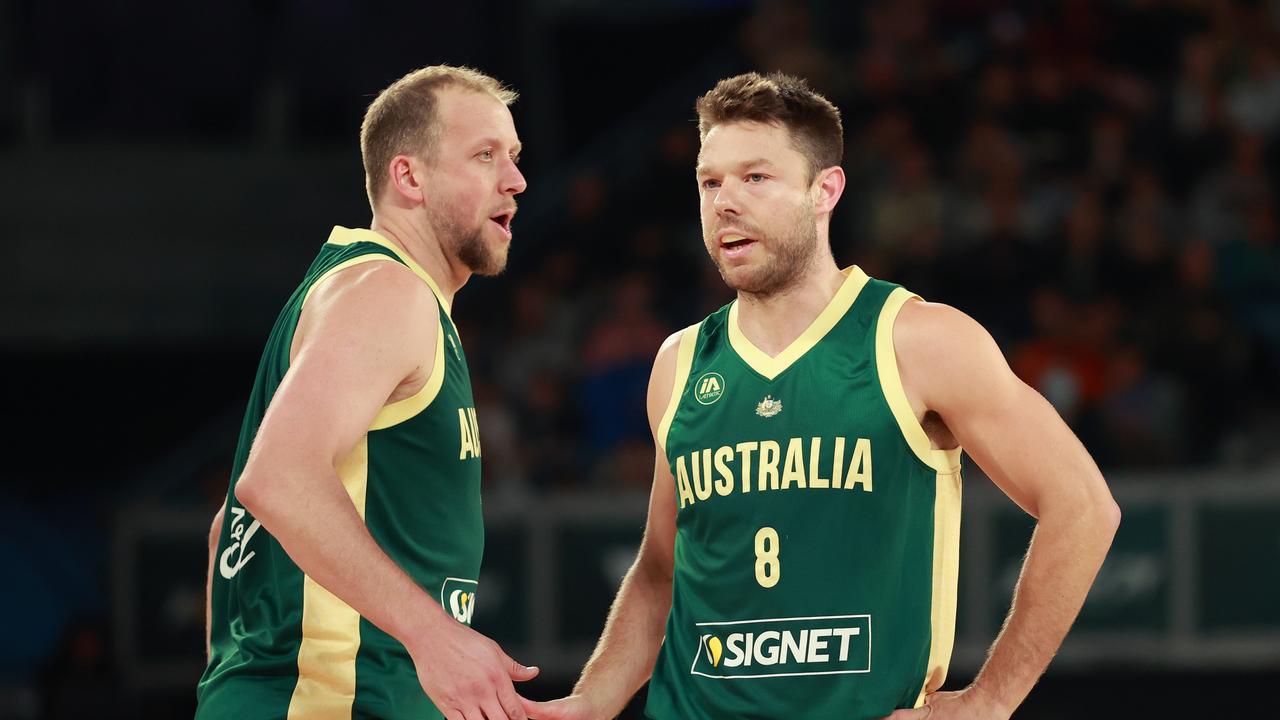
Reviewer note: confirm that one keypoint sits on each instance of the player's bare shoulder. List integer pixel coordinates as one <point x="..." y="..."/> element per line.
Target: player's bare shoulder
<point x="942" y="352"/>
<point x="381" y="308"/>
<point x="382" y="297"/>
<point x="663" y="377"/>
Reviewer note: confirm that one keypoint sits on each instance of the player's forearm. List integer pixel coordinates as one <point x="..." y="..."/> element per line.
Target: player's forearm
<point x="623" y="659"/>
<point x="316" y="523"/>
<point x="1067" y="549"/>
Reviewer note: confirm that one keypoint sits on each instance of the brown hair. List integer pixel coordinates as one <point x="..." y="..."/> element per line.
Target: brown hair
<point x="404" y="120"/>
<point x="777" y="99"/>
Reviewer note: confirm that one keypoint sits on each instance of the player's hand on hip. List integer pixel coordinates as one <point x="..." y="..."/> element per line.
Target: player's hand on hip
<point x="960" y="705"/>
<point x="468" y="676"/>
<point x="574" y="707"/>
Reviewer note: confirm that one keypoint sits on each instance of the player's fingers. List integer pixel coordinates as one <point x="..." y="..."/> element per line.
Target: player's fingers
<point x="493" y="709"/>
<point x="453" y="715"/>
<point x="550" y="710"/>
<point x="562" y="709"/>
<point x="519" y="672"/>
<point x="472" y="713"/>
<point x="511" y="703"/>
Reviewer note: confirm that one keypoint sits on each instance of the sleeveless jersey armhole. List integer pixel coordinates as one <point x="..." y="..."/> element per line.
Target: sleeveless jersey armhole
<point x="946" y="462"/>
<point x="400" y="410"/>
<point x="946" y="502"/>
<point x="684" y="364"/>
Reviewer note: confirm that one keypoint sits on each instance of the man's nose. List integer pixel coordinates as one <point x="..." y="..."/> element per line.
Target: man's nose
<point x="726" y="201"/>
<point x="513" y="182"/>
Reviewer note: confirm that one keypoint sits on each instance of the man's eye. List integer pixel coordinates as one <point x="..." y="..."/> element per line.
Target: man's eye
<point x="485" y="155"/>
<point x="710" y="184"/>
<point x="515" y="158"/>
<point x="755" y="177"/>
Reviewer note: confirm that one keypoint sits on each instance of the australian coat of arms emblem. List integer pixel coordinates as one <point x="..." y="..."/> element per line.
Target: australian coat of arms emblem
<point x="769" y="407"/>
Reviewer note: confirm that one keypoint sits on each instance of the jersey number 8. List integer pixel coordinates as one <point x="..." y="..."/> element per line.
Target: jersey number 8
<point x="768" y="569"/>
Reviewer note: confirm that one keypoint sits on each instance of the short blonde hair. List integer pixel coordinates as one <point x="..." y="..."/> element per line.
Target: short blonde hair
<point x="404" y="119"/>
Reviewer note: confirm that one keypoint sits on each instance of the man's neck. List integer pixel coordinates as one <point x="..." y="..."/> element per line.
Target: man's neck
<point x="772" y="322"/>
<point x="421" y="244"/>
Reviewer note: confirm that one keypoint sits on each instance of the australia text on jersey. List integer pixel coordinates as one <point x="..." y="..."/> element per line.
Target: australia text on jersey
<point x="734" y="465"/>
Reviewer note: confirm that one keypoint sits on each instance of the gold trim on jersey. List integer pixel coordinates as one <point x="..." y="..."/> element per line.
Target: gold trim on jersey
<point x="401" y="410"/>
<point x="946" y="573"/>
<point x="345" y="236"/>
<point x="772" y="367"/>
<point x="339" y="268"/>
<point x="946" y="503"/>
<point x="942" y="461"/>
<point x="684" y="363"/>
<point x="326" y="685"/>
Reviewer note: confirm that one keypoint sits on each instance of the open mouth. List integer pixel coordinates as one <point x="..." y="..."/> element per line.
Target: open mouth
<point x="503" y="221"/>
<point x="735" y="244"/>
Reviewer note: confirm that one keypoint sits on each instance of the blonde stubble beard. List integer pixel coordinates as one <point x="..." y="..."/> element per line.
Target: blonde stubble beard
<point x="468" y="246"/>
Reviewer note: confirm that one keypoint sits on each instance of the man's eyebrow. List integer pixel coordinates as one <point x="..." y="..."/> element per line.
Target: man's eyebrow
<point x="495" y="142"/>
<point x="702" y="169"/>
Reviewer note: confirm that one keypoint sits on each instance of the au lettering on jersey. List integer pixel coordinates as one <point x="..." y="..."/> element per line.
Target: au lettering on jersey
<point x="469" y="432"/>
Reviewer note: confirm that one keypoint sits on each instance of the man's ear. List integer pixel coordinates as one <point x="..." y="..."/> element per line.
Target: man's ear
<point x="827" y="188"/>
<point x="407" y="179"/>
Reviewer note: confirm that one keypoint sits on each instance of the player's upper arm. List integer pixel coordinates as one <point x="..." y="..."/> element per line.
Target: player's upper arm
<point x="658" y="548"/>
<point x="952" y="366"/>
<point x="215" y="527"/>
<point x="662" y="381"/>
<point x="362" y="333"/>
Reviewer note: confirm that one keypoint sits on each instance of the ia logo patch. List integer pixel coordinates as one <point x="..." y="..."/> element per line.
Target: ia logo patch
<point x="709" y="388"/>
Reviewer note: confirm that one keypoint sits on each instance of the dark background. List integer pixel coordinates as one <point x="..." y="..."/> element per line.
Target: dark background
<point x="1093" y="181"/>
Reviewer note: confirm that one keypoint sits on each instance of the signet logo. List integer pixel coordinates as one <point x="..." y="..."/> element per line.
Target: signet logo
<point x="458" y="596"/>
<point x="783" y="647"/>
<point x="709" y="388"/>
<point x="716" y="648"/>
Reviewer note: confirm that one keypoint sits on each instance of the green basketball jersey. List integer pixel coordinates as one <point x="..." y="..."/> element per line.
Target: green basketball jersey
<point x="282" y="645"/>
<point x="817" y="531"/>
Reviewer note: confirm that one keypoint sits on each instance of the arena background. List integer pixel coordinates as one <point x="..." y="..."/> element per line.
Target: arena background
<point x="1095" y="182"/>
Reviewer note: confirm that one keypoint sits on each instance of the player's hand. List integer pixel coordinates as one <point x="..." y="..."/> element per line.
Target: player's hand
<point x="468" y="676"/>
<point x="574" y="707"/>
<point x="960" y="705"/>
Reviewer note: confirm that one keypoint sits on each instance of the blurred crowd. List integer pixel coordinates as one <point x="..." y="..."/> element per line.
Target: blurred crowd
<point x="1091" y="181"/>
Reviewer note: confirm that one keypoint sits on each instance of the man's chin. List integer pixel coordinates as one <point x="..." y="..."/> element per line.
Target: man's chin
<point x="492" y="265"/>
<point x="762" y="282"/>
<point x="483" y="258"/>
<point x="744" y="278"/>
<point x="490" y="270"/>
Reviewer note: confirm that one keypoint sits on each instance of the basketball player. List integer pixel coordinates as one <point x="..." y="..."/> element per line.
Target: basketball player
<point x="344" y="576"/>
<point x="800" y="556"/>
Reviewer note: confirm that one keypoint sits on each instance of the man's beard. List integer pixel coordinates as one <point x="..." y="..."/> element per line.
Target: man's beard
<point x="792" y="255"/>
<point x="470" y="247"/>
